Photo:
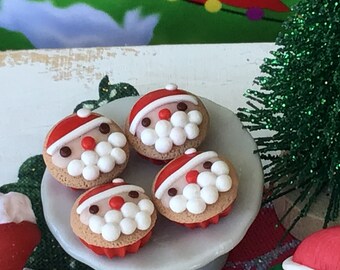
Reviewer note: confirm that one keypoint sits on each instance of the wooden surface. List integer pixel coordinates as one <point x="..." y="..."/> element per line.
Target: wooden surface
<point x="309" y="224"/>
<point x="40" y="87"/>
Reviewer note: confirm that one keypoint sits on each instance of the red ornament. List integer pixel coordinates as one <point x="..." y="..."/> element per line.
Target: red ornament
<point x="275" y="5"/>
<point x="191" y="176"/>
<point x="164" y="114"/>
<point x="88" y="143"/>
<point x="116" y="202"/>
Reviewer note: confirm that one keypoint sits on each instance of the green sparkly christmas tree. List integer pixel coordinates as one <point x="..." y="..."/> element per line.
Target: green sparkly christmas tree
<point x="299" y="101"/>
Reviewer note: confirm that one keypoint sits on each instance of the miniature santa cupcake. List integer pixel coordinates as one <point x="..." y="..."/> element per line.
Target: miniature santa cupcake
<point x="195" y="189"/>
<point x="113" y="219"/>
<point x="85" y="149"/>
<point x="19" y="232"/>
<point x="319" y="251"/>
<point x="165" y="122"/>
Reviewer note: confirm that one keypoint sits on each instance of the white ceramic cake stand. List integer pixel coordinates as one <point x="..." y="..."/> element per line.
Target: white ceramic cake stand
<point x="172" y="246"/>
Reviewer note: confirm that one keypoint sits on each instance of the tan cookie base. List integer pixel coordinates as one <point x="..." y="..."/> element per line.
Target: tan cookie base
<point x="83" y="231"/>
<point x="150" y="151"/>
<point x="78" y="182"/>
<point x="224" y="201"/>
<point x="309" y="224"/>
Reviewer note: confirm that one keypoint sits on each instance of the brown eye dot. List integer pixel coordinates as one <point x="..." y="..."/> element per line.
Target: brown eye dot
<point x="207" y="165"/>
<point x="65" y="151"/>
<point x="146" y="122"/>
<point x="94" y="209"/>
<point x="172" y="192"/>
<point x="104" y="128"/>
<point x="134" y="194"/>
<point x="182" y="106"/>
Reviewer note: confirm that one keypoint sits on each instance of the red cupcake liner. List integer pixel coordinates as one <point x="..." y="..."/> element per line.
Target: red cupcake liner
<point x="213" y="220"/>
<point x="121" y="251"/>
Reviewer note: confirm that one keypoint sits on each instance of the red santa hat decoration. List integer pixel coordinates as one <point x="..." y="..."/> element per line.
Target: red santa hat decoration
<point x="73" y="127"/>
<point x="155" y="99"/>
<point x="319" y="251"/>
<point x="179" y="167"/>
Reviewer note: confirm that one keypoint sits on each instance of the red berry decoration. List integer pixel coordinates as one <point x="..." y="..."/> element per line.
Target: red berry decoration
<point x="88" y="143"/>
<point x="164" y="114"/>
<point x="116" y="202"/>
<point x="191" y="176"/>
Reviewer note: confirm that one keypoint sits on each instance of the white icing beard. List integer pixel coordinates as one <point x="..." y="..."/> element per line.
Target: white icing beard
<point x="15" y="207"/>
<point x="127" y="220"/>
<point x="182" y="126"/>
<point x="196" y="196"/>
<point x="103" y="158"/>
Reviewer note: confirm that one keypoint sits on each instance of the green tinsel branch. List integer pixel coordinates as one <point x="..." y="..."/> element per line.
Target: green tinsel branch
<point x="299" y="103"/>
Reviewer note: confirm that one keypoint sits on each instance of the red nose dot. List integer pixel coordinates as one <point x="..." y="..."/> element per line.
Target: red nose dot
<point x="164" y="114"/>
<point x="191" y="176"/>
<point x="88" y="143"/>
<point x="116" y="202"/>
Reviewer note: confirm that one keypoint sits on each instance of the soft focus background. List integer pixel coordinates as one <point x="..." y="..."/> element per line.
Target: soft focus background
<point x="27" y="24"/>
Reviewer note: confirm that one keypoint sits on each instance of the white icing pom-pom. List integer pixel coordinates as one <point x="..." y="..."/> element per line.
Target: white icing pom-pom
<point x="190" y="151"/>
<point x="195" y="117"/>
<point x="223" y="183"/>
<point x="106" y="164"/>
<point x="113" y="216"/>
<point x="179" y="119"/>
<point x="119" y="155"/>
<point x="117" y="139"/>
<point x="171" y="86"/>
<point x="83" y="113"/>
<point x="75" y="167"/>
<point x="163" y="128"/>
<point x="191" y="191"/>
<point x="91" y="172"/>
<point x="178" y="136"/>
<point x="96" y="223"/>
<point x="129" y="209"/>
<point x="192" y="131"/>
<point x="163" y="145"/>
<point x="111" y="232"/>
<point x="220" y="167"/>
<point x="209" y="194"/>
<point x="196" y="206"/>
<point x="103" y="148"/>
<point x="89" y="157"/>
<point x="148" y="136"/>
<point x="178" y="203"/>
<point x="128" y="226"/>
<point x="206" y="179"/>
<point x="143" y="220"/>
<point x="118" y="180"/>
<point x="146" y="205"/>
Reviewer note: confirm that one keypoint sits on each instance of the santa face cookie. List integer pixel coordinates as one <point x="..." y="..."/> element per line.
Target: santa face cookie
<point x="19" y="232"/>
<point x="165" y="122"/>
<point x="85" y="149"/>
<point x="195" y="189"/>
<point x="319" y="251"/>
<point x="113" y="219"/>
